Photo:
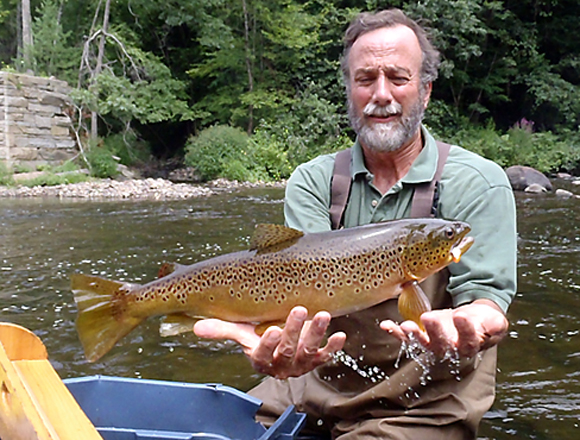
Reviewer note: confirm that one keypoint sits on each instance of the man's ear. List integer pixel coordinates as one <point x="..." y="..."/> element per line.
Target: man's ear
<point x="427" y="96"/>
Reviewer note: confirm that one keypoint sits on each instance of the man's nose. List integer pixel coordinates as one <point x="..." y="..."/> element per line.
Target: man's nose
<point x="382" y="93"/>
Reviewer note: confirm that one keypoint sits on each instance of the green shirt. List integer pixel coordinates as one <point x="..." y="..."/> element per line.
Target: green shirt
<point x="472" y="189"/>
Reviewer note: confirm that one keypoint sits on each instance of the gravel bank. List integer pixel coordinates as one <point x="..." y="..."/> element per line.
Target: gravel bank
<point x="158" y="189"/>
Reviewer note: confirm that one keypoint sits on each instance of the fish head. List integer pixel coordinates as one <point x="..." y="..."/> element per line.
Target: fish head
<point x="433" y="245"/>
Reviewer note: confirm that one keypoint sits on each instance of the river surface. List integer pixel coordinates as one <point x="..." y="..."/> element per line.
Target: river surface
<point x="43" y="241"/>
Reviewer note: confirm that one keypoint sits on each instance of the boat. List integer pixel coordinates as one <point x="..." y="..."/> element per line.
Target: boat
<point x="36" y="404"/>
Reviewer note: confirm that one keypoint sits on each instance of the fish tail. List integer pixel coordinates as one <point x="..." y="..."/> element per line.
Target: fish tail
<point x="102" y="319"/>
<point x="413" y="303"/>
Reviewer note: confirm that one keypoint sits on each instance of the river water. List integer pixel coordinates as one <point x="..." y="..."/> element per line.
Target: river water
<point x="43" y="241"/>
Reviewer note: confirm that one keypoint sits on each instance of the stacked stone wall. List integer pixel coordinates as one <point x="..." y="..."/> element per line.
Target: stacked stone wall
<point x="35" y="127"/>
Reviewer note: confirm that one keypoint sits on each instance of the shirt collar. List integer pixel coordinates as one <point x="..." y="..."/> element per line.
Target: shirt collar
<point x="422" y="170"/>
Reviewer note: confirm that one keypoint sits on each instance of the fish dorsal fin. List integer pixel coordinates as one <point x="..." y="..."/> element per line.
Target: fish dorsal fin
<point x="268" y="235"/>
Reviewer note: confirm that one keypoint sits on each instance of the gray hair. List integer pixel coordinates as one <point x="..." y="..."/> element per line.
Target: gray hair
<point x="367" y="22"/>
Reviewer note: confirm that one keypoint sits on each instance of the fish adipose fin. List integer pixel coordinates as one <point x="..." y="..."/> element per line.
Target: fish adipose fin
<point x="101" y="320"/>
<point x="413" y="303"/>
<point x="273" y="236"/>
<point x="173" y="325"/>
<point x="168" y="269"/>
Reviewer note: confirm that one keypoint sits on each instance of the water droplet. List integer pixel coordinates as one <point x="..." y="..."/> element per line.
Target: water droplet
<point x="372" y="372"/>
<point x="416" y="352"/>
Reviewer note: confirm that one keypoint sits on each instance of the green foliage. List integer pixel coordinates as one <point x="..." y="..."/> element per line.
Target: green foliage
<point x="65" y="167"/>
<point x="127" y="147"/>
<point x="52" y="53"/>
<point x="6" y="178"/>
<point x="138" y="86"/>
<point x="544" y="151"/>
<point x="248" y="68"/>
<point x="251" y="64"/>
<point x="102" y="163"/>
<point x="313" y="126"/>
<point x="52" y="179"/>
<point x="222" y="151"/>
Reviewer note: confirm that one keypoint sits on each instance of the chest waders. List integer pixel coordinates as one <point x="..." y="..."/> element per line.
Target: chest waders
<point x="374" y="391"/>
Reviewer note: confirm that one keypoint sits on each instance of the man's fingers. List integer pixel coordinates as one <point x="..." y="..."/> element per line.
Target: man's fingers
<point x="335" y="343"/>
<point x="313" y="334"/>
<point x="394" y="329"/>
<point x="262" y="357"/>
<point x="439" y="339"/>
<point x="243" y="334"/>
<point x="290" y="336"/>
<point x="280" y="353"/>
<point x="468" y="342"/>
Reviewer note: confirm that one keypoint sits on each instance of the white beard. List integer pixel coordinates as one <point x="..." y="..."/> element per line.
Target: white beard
<point x="390" y="136"/>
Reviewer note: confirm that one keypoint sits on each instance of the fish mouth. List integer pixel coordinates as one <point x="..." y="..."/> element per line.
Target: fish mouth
<point x="460" y="248"/>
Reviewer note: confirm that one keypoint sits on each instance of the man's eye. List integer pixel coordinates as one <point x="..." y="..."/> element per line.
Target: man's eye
<point x="365" y="80"/>
<point x="400" y="80"/>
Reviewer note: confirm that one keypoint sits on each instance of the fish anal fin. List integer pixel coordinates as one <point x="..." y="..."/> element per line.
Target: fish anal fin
<point x="263" y="326"/>
<point x="268" y="235"/>
<point x="175" y="324"/>
<point x="168" y="269"/>
<point x="413" y="303"/>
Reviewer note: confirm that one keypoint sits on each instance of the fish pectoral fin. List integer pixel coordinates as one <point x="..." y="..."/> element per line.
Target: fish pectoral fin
<point x="173" y="325"/>
<point x="268" y="235"/>
<point x="413" y="303"/>
<point x="168" y="269"/>
<point x="263" y="326"/>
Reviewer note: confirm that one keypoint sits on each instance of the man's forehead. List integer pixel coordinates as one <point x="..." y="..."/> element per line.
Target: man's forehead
<point x="397" y="46"/>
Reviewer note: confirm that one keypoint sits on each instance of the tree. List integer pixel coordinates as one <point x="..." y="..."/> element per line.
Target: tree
<point x="249" y="65"/>
<point x="123" y="82"/>
<point x="26" y="48"/>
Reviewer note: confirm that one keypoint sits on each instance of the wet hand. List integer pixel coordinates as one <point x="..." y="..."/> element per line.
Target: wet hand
<point x="469" y="328"/>
<point x="281" y="353"/>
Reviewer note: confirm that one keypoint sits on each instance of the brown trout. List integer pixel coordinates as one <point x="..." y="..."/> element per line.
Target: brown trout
<point x="340" y="272"/>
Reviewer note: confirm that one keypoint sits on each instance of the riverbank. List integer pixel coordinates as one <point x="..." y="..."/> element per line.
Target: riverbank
<point x="157" y="189"/>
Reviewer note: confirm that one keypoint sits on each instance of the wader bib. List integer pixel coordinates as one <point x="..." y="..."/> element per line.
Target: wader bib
<point x="373" y="390"/>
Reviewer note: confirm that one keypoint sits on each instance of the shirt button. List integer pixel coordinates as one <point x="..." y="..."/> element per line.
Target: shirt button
<point x="374" y="203"/>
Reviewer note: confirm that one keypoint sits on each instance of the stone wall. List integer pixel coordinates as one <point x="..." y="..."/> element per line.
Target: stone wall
<point x="34" y="125"/>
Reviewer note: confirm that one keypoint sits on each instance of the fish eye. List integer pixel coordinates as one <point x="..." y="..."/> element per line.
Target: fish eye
<point x="449" y="233"/>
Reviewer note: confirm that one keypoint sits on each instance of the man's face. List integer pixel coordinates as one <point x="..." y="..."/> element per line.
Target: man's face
<point x="386" y="99"/>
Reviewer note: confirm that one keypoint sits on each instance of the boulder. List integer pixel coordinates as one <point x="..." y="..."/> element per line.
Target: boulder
<point x="535" y="188"/>
<point x="521" y="177"/>
<point x="565" y="194"/>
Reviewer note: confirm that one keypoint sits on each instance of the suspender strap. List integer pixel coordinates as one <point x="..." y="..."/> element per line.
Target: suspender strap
<point x="340" y="187"/>
<point x="426" y="197"/>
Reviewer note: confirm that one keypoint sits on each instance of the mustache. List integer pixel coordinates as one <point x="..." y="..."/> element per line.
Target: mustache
<point x="372" y="109"/>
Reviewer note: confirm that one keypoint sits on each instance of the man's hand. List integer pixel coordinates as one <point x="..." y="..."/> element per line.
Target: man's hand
<point x="290" y="352"/>
<point x="469" y="328"/>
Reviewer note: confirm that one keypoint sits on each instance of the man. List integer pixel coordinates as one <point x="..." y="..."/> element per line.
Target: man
<point x="371" y="390"/>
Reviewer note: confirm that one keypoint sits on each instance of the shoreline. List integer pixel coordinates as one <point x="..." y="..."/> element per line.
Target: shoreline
<point x="132" y="189"/>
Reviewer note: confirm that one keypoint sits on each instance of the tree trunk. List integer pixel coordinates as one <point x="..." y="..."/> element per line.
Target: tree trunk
<point x="99" y="67"/>
<point x="26" y="34"/>
<point x="248" y="65"/>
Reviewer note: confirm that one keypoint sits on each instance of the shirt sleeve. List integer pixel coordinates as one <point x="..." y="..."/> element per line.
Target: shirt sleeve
<point x="488" y="269"/>
<point x="307" y="199"/>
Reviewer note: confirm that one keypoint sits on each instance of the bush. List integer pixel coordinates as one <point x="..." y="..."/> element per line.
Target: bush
<point x="271" y="155"/>
<point x="127" y="148"/>
<point x="5" y="175"/>
<point x="102" y="163"/>
<point x="543" y="151"/>
<point x="223" y="151"/>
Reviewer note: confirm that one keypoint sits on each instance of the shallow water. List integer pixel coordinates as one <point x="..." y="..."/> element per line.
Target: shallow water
<point x="43" y="241"/>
